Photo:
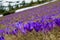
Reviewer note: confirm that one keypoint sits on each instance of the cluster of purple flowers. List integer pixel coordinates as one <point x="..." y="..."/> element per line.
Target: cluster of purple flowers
<point x="2" y="38"/>
<point x="43" y="25"/>
<point x="1" y="35"/>
<point x="7" y="31"/>
<point x="57" y="21"/>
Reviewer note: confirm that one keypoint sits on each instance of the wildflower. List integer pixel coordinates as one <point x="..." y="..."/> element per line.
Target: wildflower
<point x="2" y="38"/>
<point x="57" y="21"/>
<point x="14" y="31"/>
<point x="28" y="27"/>
<point x="19" y="25"/>
<point x="7" y="30"/>
<point x="46" y="25"/>
<point x="37" y="26"/>
<point x="49" y="26"/>
<point x="1" y="32"/>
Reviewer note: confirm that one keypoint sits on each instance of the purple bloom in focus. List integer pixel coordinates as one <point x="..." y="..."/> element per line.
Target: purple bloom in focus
<point x="37" y="26"/>
<point x="48" y="26"/>
<point x="19" y="26"/>
<point x="2" y="38"/>
<point x="57" y="21"/>
<point x="32" y="25"/>
<point x="28" y="27"/>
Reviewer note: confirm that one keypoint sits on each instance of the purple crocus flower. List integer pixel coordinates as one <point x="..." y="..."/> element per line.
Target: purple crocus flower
<point x="14" y="31"/>
<point x="48" y="26"/>
<point x="7" y="30"/>
<point x="1" y="32"/>
<point x="37" y="26"/>
<point x="19" y="25"/>
<point x="2" y="38"/>
<point x="28" y="26"/>
<point x="57" y="21"/>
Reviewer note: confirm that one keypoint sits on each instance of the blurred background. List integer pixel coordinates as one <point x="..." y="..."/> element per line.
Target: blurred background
<point x="10" y="6"/>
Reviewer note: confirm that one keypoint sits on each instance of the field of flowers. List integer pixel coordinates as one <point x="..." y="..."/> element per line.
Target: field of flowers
<point x="40" y="23"/>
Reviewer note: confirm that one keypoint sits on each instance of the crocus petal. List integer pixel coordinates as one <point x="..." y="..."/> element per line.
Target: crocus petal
<point x="2" y="38"/>
<point x="50" y="26"/>
<point x="37" y="27"/>
<point x="1" y="32"/>
<point x="57" y="21"/>
<point x="19" y="25"/>
<point x="28" y="27"/>
<point x="15" y="31"/>
<point x="7" y="30"/>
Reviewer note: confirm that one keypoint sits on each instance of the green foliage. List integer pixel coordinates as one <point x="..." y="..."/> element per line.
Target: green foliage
<point x="17" y="6"/>
<point x="38" y="1"/>
<point x="10" y="7"/>
<point x="1" y="11"/>
<point x="12" y="10"/>
<point x="8" y="12"/>
<point x="31" y="2"/>
<point x="23" y="3"/>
